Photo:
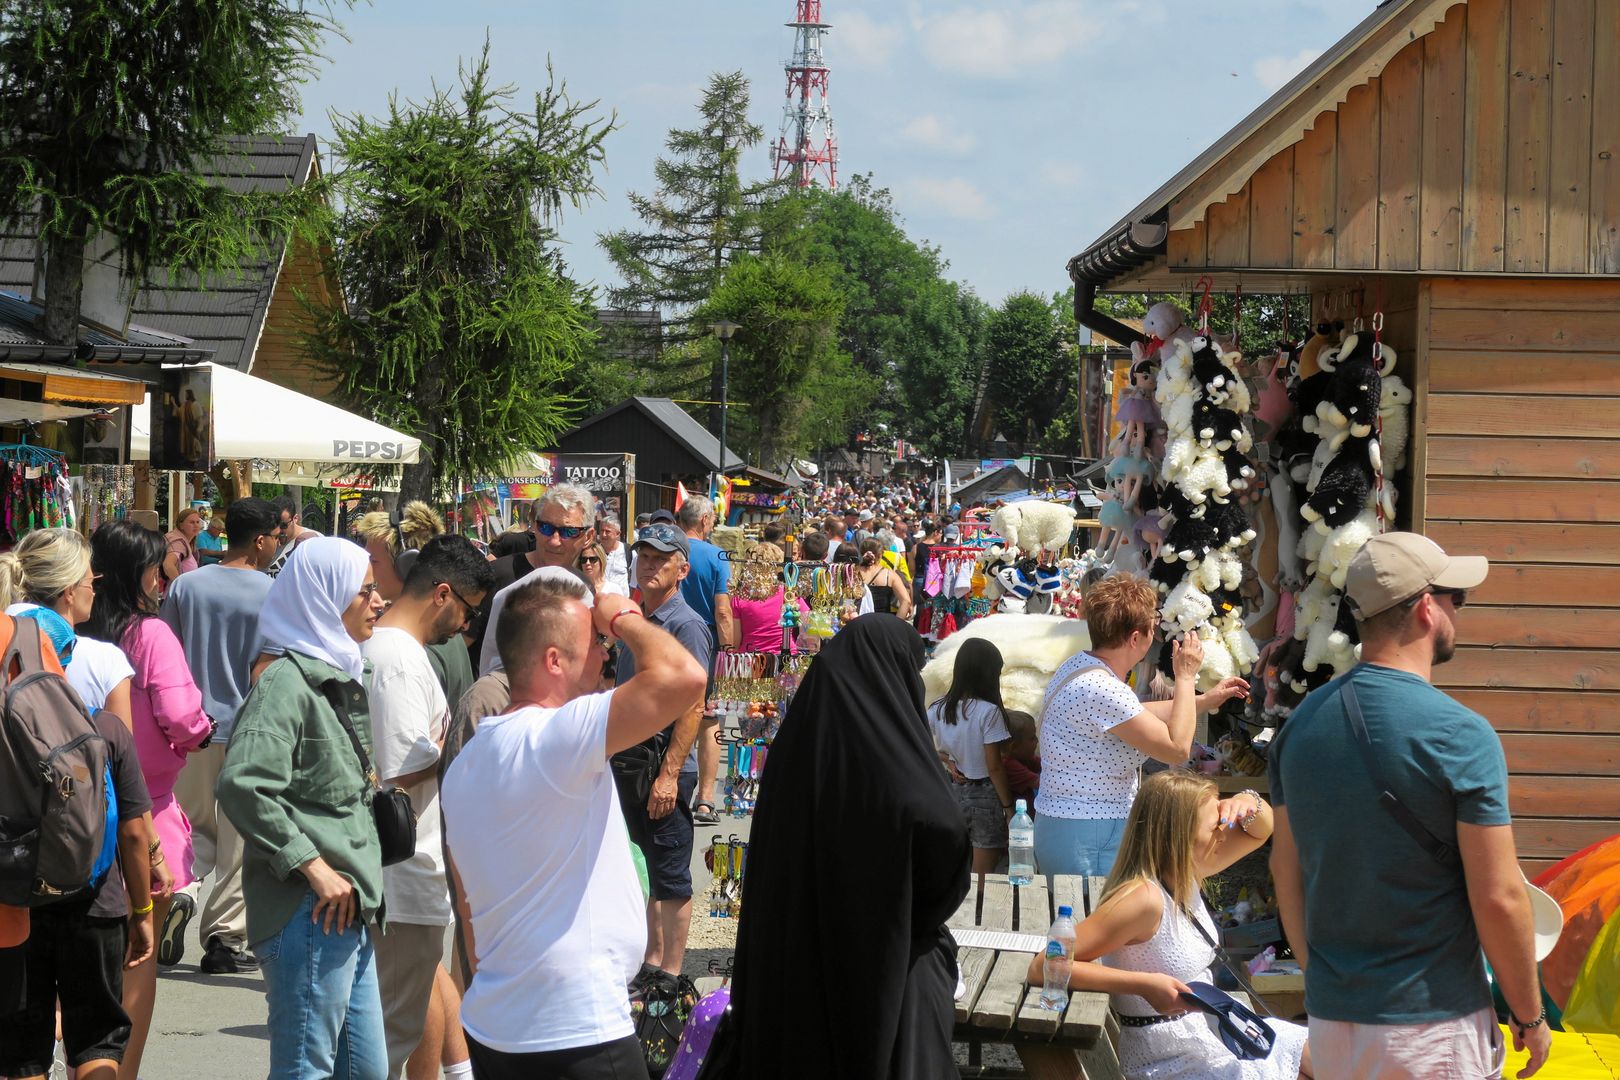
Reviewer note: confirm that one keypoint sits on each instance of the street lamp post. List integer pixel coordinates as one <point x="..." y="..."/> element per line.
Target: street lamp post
<point x="723" y="330"/>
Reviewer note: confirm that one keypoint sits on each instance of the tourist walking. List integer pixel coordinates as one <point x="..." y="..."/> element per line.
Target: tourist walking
<point x="166" y="714"/>
<point x="548" y="996"/>
<point x="1096" y="734"/>
<point x="611" y="534"/>
<point x="295" y="789"/>
<point x="969" y="724"/>
<point x="660" y="821"/>
<point x="563" y="522"/>
<point x="215" y="615"/>
<point x="446" y="584"/>
<point x="707" y="591"/>
<point x="291" y="531"/>
<point x="888" y="592"/>
<point x="1387" y="909"/>
<point x="853" y="754"/>
<point x="1150" y="934"/>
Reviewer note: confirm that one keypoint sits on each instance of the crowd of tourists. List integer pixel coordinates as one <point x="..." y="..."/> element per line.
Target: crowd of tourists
<point x="278" y="714"/>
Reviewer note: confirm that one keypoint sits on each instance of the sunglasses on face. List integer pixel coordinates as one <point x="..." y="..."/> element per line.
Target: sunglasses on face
<point x="472" y="608"/>
<point x="569" y="532"/>
<point x="1459" y="597"/>
<point x="590" y="560"/>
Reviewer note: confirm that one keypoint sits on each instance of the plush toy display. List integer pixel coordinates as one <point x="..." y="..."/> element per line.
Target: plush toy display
<point x="1203" y="399"/>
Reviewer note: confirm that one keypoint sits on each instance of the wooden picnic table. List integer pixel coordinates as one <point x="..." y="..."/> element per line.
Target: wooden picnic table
<point x="999" y="1006"/>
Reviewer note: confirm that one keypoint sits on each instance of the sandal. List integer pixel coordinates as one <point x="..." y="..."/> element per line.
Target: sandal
<point x="703" y="814"/>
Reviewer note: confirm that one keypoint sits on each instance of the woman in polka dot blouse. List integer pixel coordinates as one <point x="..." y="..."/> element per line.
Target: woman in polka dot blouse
<point x="1095" y="734"/>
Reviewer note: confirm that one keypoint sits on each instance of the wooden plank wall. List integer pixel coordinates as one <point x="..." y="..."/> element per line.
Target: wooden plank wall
<point x="1522" y="464"/>
<point x="280" y="354"/>
<point x="1487" y="145"/>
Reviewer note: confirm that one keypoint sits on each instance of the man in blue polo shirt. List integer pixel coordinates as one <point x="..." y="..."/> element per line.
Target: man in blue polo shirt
<point x="1388" y="922"/>
<point x="661" y="825"/>
<point x="707" y="591"/>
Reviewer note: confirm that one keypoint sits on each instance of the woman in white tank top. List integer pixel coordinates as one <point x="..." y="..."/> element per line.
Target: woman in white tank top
<point x="1143" y="945"/>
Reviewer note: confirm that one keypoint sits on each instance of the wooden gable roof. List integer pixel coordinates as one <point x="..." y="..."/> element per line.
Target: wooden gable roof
<point x="1443" y="136"/>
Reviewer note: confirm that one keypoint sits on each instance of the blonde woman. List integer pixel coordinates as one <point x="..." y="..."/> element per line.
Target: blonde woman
<point x="50" y="569"/>
<point x="593" y="566"/>
<point x="181" y="542"/>
<point x="1151" y="935"/>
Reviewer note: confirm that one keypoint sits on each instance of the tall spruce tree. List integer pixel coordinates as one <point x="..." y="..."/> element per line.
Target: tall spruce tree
<point x="699" y="218"/>
<point x="107" y="104"/>
<point x="462" y="322"/>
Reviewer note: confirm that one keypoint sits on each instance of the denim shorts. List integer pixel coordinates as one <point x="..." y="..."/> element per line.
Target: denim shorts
<point x="1084" y="846"/>
<point x="981" y="808"/>
<point x="666" y="843"/>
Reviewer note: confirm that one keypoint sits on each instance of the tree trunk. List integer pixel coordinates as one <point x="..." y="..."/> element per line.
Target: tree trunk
<point x="64" y="284"/>
<point x="416" y="481"/>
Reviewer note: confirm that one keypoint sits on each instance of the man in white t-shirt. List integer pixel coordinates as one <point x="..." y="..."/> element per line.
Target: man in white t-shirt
<point x="409" y="716"/>
<point x="537" y="842"/>
<point x="617" y="570"/>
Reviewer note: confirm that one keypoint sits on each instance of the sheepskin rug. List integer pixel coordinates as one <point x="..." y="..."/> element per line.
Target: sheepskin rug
<point x="1032" y="648"/>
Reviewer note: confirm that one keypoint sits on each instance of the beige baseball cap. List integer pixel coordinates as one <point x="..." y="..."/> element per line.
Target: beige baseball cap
<point x="1396" y="566"/>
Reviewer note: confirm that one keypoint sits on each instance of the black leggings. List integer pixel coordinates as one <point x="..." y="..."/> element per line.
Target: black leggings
<point x="617" y="1060"/>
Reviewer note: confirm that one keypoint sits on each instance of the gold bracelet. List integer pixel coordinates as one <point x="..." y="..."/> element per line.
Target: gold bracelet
<point x="143" y="910"/>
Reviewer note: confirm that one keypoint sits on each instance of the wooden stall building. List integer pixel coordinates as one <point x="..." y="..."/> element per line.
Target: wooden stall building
<point x="1458" y="165"/>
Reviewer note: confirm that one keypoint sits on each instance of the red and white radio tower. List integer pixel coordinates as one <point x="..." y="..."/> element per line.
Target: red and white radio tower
<point x="807" y="149"/>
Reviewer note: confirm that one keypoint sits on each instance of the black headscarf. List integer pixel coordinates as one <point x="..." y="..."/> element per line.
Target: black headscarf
<point x="857" y="856"/>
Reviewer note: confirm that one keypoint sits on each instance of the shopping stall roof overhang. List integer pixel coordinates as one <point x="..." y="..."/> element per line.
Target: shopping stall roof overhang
<point x="1113" y="260"/>
<point x="256" y="419"/>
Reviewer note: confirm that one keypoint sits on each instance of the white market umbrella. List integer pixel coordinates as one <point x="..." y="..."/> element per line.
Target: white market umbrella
<point x="257" y="419"/>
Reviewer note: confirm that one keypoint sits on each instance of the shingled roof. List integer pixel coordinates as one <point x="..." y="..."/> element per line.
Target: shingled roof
<point x="224" y="315"/>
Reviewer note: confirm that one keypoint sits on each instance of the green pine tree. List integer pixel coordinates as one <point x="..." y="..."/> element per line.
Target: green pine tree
<point x="462" y="326"/>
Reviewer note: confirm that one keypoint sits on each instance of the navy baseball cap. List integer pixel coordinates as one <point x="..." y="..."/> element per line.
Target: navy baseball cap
<point x="663" y="537"/>
<point x="660" y="514"/>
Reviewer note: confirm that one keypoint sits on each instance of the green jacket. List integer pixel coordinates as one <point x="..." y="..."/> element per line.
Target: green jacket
<point x="293" y="788"/>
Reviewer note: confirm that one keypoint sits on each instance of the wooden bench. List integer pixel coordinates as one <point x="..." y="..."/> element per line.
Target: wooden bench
<point x="999" y="1006"/>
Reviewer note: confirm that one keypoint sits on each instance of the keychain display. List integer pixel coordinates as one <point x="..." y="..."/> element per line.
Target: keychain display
<point x="727" y="861"/>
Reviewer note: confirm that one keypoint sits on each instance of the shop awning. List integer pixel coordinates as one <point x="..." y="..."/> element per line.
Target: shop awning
<point x="257" y="419"/>
<point x="38" y="412"/>
<point x="77" y="384"/>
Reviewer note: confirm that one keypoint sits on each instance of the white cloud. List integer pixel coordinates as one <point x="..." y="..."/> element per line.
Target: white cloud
<point x="1002" y="41"/>
<point x="1274" y="71"/>
<point x="860" y="41"/>
<point x="952" y="196"/>
<point x="1062" y="174"/>
<point x="935" y="133"/>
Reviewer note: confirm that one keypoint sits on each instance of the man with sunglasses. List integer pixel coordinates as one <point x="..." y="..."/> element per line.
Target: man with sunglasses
<point x="1388" y="922"/>
<point x="444" y="588"/>
<point x="563" y="521"/>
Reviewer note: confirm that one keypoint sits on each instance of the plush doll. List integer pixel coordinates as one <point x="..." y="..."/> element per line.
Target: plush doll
<point x="1190" y="539"/>
<point x="1166" y="574"/>
<point x="1185" y="609"/>
<point x="1274" y="408"/>
<point x="1311" y="383"/>
<point x="1137" y="412"/>
<point x="1209" y="370"/>
<point x="1033" y="526"/>
<point x="1345" y="484"/>
<point x="1394" y="401"/>
<point x="1165" y="322"/>
<point x="1356" y="365"/>
<point x="1342" y="544"/>
<point x="1239" y="470"/>
<point x="1231" y="524"/>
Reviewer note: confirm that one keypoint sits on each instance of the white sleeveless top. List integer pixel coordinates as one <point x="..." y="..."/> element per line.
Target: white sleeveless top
<point x="1176" y="948"/>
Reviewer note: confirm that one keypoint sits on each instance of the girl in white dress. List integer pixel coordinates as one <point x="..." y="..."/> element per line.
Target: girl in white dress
<point x="1142" y="947"/>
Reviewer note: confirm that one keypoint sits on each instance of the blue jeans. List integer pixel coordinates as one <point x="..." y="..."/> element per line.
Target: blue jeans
<point x="325" y="1011"/>
<point x="1085" y="846"/>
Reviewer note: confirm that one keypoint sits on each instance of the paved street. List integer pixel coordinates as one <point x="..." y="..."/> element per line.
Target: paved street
<point x="212" y="1026"/>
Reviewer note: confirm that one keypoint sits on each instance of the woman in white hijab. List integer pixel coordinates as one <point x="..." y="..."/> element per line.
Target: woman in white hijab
<point x="294" y="788"/>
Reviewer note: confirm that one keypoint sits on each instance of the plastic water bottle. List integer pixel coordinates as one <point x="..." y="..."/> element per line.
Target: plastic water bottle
<point x="1059" y="952"/>
<point x="1021" y="846"/>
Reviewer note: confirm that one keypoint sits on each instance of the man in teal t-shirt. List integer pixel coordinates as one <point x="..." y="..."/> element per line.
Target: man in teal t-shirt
<point x="1391" y="937"/>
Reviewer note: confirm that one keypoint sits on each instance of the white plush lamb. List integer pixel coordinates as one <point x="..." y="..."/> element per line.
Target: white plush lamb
<point x="1033" y="526"/>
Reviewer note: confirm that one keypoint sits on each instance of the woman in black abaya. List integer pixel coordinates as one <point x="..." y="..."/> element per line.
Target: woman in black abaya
<point x="857" y="857"/>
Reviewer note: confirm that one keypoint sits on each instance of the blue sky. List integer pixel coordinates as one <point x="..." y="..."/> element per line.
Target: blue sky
<point x="1011" y="132"/>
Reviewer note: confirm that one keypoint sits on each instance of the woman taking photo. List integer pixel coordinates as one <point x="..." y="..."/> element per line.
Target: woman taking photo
<point x="180" y="556"/>
<point x="969" y="725"/>
<point x="1095" y="734"/>
<point x="853" y="751"/>
<point x="1151" y="934"/>
<point x="890" y="593"/>
<point x="166" y="714"/>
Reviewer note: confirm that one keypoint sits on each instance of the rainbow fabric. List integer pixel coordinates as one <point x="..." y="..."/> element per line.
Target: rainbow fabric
<point x="1582" y="975"/>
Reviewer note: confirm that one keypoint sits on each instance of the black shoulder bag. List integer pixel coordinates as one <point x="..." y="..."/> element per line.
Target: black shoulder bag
<point x="1439" y="849"/>
<point x="391" y="809"/>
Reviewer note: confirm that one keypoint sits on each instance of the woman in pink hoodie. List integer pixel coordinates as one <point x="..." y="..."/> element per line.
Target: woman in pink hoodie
<point x="166" y="714"/>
